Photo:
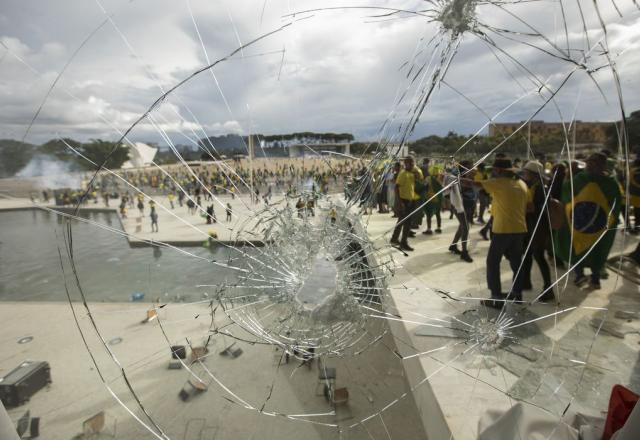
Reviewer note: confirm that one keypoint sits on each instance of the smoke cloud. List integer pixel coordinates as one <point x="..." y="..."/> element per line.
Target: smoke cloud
<point x="51" y="173"/>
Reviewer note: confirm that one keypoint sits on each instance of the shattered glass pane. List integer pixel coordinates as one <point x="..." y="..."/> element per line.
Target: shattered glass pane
<point x="296" y="312"/>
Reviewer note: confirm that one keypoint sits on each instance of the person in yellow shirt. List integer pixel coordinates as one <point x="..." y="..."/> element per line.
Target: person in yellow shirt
<point x="509" y="209"/>
<point x="406" y="198"/>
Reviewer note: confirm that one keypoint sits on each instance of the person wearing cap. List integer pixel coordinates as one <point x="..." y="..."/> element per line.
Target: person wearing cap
<point x="406" y="198"/>
<point x="508" y="231"/>
<point x="592" y="203"/>
<point x="538" y="230"/>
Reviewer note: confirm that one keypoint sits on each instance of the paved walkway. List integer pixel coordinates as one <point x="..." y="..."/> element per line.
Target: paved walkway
<point x="467" y="385"/>
<point x="177" y="226"/>
<point x="464" y="383"/>
<point x="77" y="392"/>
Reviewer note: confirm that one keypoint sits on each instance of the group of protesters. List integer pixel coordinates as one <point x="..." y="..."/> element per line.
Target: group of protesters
<point x="233" y="178"/>
<point x="198" y="184"/>
<point x="568" y="212"/>
<point x="540" y="210"/>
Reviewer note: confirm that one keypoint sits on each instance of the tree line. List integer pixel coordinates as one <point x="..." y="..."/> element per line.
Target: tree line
<point x="15" y="155"/>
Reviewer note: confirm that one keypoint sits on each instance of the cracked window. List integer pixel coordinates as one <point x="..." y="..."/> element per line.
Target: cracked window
<point x="188" y="270"/>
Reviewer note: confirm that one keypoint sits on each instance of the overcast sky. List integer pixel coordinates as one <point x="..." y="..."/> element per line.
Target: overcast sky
<point x="342" y="70"/>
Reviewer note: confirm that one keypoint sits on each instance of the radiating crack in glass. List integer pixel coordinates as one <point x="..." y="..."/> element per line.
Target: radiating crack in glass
<point x="311" y="282"/>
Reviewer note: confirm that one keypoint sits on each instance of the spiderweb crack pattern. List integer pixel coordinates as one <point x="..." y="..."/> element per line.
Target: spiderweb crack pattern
<point x="269" y="303"/>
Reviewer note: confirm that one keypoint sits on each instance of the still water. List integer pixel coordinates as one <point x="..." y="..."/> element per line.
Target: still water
<point x="109" y="270"/>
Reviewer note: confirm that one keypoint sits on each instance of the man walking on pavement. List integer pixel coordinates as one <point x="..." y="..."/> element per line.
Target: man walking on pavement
<point x="406" y="198"/>
<point x="509" y="208"/>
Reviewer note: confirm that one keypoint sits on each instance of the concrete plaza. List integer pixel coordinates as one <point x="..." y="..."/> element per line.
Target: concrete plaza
<point x="462" y="384"/>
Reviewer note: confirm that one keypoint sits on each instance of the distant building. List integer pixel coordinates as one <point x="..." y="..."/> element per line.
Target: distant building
<point x="286" y="141"/>
<point x="299" y="150"/>
<point x="594" y="133"/>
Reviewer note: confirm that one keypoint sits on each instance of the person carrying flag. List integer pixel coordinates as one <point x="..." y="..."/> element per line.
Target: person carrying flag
<point x="592" y="212"/>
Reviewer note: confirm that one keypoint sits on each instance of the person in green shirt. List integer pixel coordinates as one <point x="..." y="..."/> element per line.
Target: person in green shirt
<point x="433" y="205"/>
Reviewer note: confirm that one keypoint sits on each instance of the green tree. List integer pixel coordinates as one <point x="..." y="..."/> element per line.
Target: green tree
<point x="58" y="148"/>
<point x="633" y="133"/>
<point x="14" y="155"/>
<point x="106" y="153"/>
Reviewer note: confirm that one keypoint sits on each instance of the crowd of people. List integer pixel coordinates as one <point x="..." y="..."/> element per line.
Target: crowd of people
<point x="568" y="212"/>
<point x="210" y="179"/>
<point x="197" y="185"/>
<point x="235" y="177"/>
<point x="539" y="210"/>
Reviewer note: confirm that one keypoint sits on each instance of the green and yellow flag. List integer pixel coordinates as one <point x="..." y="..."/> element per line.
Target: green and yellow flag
<point x="434" y="187"/>
<point x="591" y="213"/>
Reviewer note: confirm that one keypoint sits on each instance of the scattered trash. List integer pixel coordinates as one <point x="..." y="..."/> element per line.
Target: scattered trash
<point x="625" y="314"/>
<point x="94" y="427"/>
<point x="115" y="341"/>
<point x="198" y="352"/>
<point x="231" y="352"/>
<point x="24" y="381"/>
<point x="191" y="389"/>
<point x="175" y="365"/>
<point x="137" y="296"/>
<point x="25" y="340"/>
<point x="178" y="352"/>
<point x="26" y="422"/>
<point x="151" y="315"/>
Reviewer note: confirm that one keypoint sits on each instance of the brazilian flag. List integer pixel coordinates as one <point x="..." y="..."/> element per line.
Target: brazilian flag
<point x="434" y="187"/>
<point x="592" y="212"/>
<point x="634" y="187"/>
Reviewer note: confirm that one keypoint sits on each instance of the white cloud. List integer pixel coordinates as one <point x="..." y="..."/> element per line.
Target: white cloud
<point x="340" y="72"/>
